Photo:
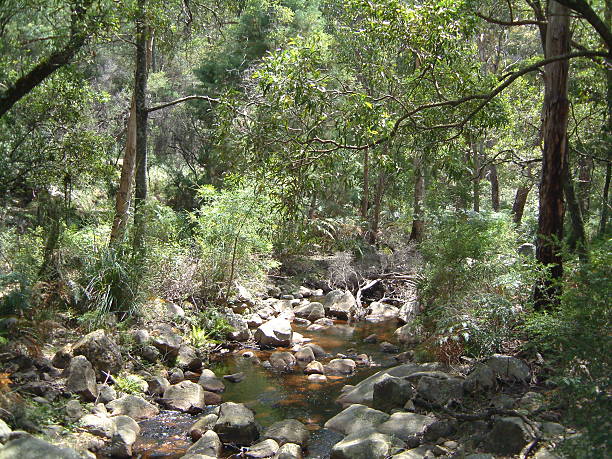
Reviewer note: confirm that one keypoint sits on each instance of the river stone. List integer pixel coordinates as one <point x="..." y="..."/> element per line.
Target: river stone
<point x="288" y="431"/>
<point x="317" y="350"/>
<point x="508" y="436"/>
<point x="390" y="393"/>
<point x="82" y="379"/>
<point x="340" y="367"/>
<point x="101" y="351"/>
<point x="5" y="431"/>
<point x="480" y="378"/>
<point x="421" y="452"/>
<point x="317" y="378"/>
<point x="99" y="425"/>
<point x="440" y="428"/>
<point x="310" y="311"/>
<point x="235" y="377"/>
<point x="164" y="338"/>
<point x="275" y="332"/>
<point x="176" y="376"/>
<point x="355" y="418"/>
<point x="185" y="396"/>
<point x="240" y="327"/>
<point x="150" y="354"/>
<point x="282" y="361"/>
<point x="208" y="444"/>
<point x="266" y="448"/>
<point x="305" y="355"/>
<point x="62" y="357"/>
<point x="406" y="426"/>
<point x="340" y="304"/>
<point x="126" y="432"/>
<point x="389" y="348"/>
<point x="366" y="444"/>
<point x="158" y="385"/>
<point x="254" y="320"/>
<point x="409" y="309"/>
<point x="289" y="451"/>
<point x="203" y="424"/>
<point x="106" y="393"/>
<point x="187" y="358"/>
<point x="314" y="368"/>
<point x="209" y="381"/>
<point x="29" y="447"/>
<point x="236" y="424"/>
<point x="212" y="398"/>
<point x="508" y="368"/>
<point x="439" y="391"/>
<point x="74" y="410"/>
<point x="405" y="335"/>
<point x="383" y="310"/>
<point x="133" y="406"/>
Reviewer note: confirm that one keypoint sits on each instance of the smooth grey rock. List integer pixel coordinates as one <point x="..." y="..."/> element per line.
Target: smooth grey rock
<point x="508" y="436"/>
<point x="141" y="337"/>
<point x="389" y="348"/>
<point x="236" y="424"/>
<point x="406" y="335"/>
<point x="101" y="351"/>
<point x="158" y="385"/>
<point x="440" y="428"/>
<point x="126" y="433"/>
<point x="5" y="431"/>
<point x="29" y="447"/>
<point x="310" y="311"/>
<point x="421" y="452"/>
<point x="366" y="444"/>
<point x="275" y="332"/>
<point x="282" y="361"/>
<point x="305" y="355"/>
<point x="289" y="451"/>
<point x="106" y="393"/>
<point x="406" y="426"/>
<point x="390" y="393"/>
<point x="174" y="311"/>
<point x="509" y="368"/>
<point x="185" y="396"/>
<point x="340" y="367"/>
<point x="317" y="350"/>
<point x="82" y="379"/>
<point x="356" y="418"/>
<point x="98" y="424"/>
<point x="133" y="406"/>
<point x="187" y="358"/>
<point x="240" y="327"/>
<point x="383" y="310"/>
<point x="266" y="448"/>
<point x="208" y="444"/>
<point x="74" y="410"/>
<point x="203" y="424"/>
<point x="340" y="304"/>
<point x="288" y="431"/>
<point x="209" y="381"/>
<point x="166" y="340"/>
<point x="314" y="368"/>
<point x="176" y="376"/>
<point x="235" y="377"/>
<point x="480" y="378"/>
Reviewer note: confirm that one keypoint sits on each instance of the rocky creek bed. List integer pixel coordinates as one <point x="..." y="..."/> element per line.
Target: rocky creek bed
<point x="302" y="378"/>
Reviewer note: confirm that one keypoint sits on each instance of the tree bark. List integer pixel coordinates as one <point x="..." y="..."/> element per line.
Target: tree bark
<point x="551" y="205"/>
<point x="418" y="218"/>
<point x="577" y="237"/>
<point x="605" y="202"/>
<point x="520" y="199"/>
<point x="583" y="188"/>
<point x="493" y="178"/>
<point x="365" y="195"/>
<point x="476" y="176"/>
<point x="378" y="197"/>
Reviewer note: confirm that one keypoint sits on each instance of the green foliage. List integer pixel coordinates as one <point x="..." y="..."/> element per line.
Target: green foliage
<point x="208" y="326"/>
<point x="576" y="338"/>
<point x="130" y="384"/>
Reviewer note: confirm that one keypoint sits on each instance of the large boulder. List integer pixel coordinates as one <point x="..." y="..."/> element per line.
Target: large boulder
<point x="275" y="332"/>
<point x="366" y="444"/>
<point x="240" y="327"/>
<point x="126" y="432"/>
<point x="356" y="418"/>
<point x="406" y="334"/>
<point x="340" y="304"/>
<point x="508" y="368"/>
<point x="406" y="426"/>
<point x="266" y="448"/>
<point x="187" y="358"/>
<point x="314" y="368"/>
<point x="508" y="436"/>
<point x="157" y="385"/>
<point x="340" y="367"/>
<point x="101" y="351"/>
<point x="288" y="431"/>
<point x="282" y="361"/>
<point x="481" y="377"/>
<point x="378" y="311"/>
<point x="409" y="309"/>
<point x="81" y="379"/>
<point x="391" y="393"/>
<point x="236" y="424"/>
<point x="166" y="340"/>
<point x="133" y="406"/>
<point x="185" y="396"/>
<point x="439" y="391"/>
<point x="310" y="311"/>
<point x="208" y="444"/>
<point x="34" y="448"/>
<point x="209" y="381"/>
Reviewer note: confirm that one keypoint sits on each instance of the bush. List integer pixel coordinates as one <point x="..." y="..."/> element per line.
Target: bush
<point x="208" y="325"/>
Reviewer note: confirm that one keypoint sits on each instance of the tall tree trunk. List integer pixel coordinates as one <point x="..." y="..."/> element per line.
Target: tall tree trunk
<point x="418" y="217"/>
<point x="605" y="202"/>
<point x="124" y="194"/>
<point x="577" y="237"/>
<point x="476" y="176"/>
<point x="140" y="92"/>
<point x="520" y="199"/>
<point x="378" y="197"/>
<point x="365" y="195"/>
<point x="583" y="188"/>
<point x="551" y="206"/>
<point x="493" y="178"/>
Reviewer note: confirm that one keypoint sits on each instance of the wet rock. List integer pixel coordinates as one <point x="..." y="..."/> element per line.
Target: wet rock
<point x="236" y="424"/>
<point x="317" y="350"/>
<point x="209" y="381"/>
<point x="406" y="335"/>
<point x="367" y="444"/>
<point x="314" y="368"/>
<point x="185" y="396"/>
<point x="187" y="358"/>
<point x="390" y="393"/>
<point x="203" y="424"/>
<point x="310" y="311"/>
<point x="62" y="357"/>
<point x="508" y="368"/>
<point x="389" y="348"/>
<point x="74" y="410"/>
<point x="82" y="379"/>
<point x="164" y="338"/>
<point x="235" y="378"/>
<point x="158" y="385"/>
<point x="99" y="425"/>
<point x="340" y="304"/>
<point x="404" y="357"/>
<point x="106" y="393"/>
<point x="340" y="367"/>
<point x="302" y="322"/>
<point x="297" y="339"/>
<point x="31" y="447"/>
<point x="409" y="309"/>
<point x="552" y="429"/>
<point x="289" y="451"/>
<point x="362" y="360"/>
<point x="126" y="432"/>
<point x="150" y="354"/>
<point x="208" y="444"/>
<point x="317" y="378"/>
<point x="305" y="355"/>
<point x="101" y="351"/>
<point x="266" y="448"/>
<point x="275" y="332"/>
<point x="439" y="391"/>
<point x="508" y="436"/>
<point x="356" y="418"/>
<point x="372" y="339"/>
<point x="406" y="426"/>
<point x="480" y="378"/>
<point x="282" y="361"/>
<point x="133" y="406"/>
<point x="288" y="431"/>
<point x="325" y="321"/>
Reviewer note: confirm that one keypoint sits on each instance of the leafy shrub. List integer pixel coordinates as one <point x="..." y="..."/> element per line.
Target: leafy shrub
<point x="208" y="325"/>
<point x="130" y="384"/>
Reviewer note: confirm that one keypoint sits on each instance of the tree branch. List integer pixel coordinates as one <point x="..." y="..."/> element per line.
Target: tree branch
<point x="181" y="100"/>
<point x="510" y="23"/>
<point x="582" y="7"/>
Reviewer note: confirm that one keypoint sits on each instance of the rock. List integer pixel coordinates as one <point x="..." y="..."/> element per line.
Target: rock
<point x="288" y="431"/>
<point x="287" y="297"/>
<point x="302" y="322"/>
<point x="98" y="424"/>
<point x="508" y="368"/>
<point x="174" y="311"/>
<point x="282" y="361"/>
<point x="340" y="304"/>
<point x="133" y="406"/>
<point x="166" y="340"/>
<point x="531" y="402"/>
<point x="409" y="309"/>
<point x="508" y="436"/>
<point x="150" y="354"/>
<point x="367" y="444"/>
<point x="371" y="339"/>
<point x="266" y="448"/>
<point x="176" y="376"/>
<point x="275" y="332"/>
<point x="390" y="393"/>
<point x="325" y="321"/>
<point x="439" y="428"/>
<point x="305" y="355"/>
<point x="187" y="359"/>
<point x="106" y="393"/>
<point x="480" y="378"/>
<point x="404" y="357"/>
<point x="141" y="337"/>
<point x="240" y="327"/>
<point x="236" y="424"/>
<point x="126" y="432"/>
<point x="62" y="357"/>
<point x="406" y="426"/>
<point x="289" y="451"/>
<point x="243" y="295"/>
<point x="439" y="391"/>
<point x="552" y="429"/>
<point x="185" y="396"/>
<point x="502" y="402"/>
<point x="82" y="379"/>
<point x="5" y="431"/>
<point x="356" y="418"/>
<point x="422" y="452"/>
<point x="254" y="321"/>
<point x="203" y="424"/>
<point x="317" y="350"/>
<point x="340" y="367"/>
<point x="382" y="310"/>
<point x="527" y="250"/>
<point x="74" y="410"/>
<point x="29" y="447"/>
<point x="314" y="368"/>
<point x="297" y="338"/>
<point x="235" y="378"/>
<point x="208" y="444"/>
<point x="101" y="351"/>
<point x="209" y="381"/>
<point x="317" y="378"/>
<point x="158" y="385"/>
<point x="310" y="311"/>
<point x="389" y="348"/>
<point x="212" y="398"/>
<point x="546" y="453"/>
<point x="406" y="335"/>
